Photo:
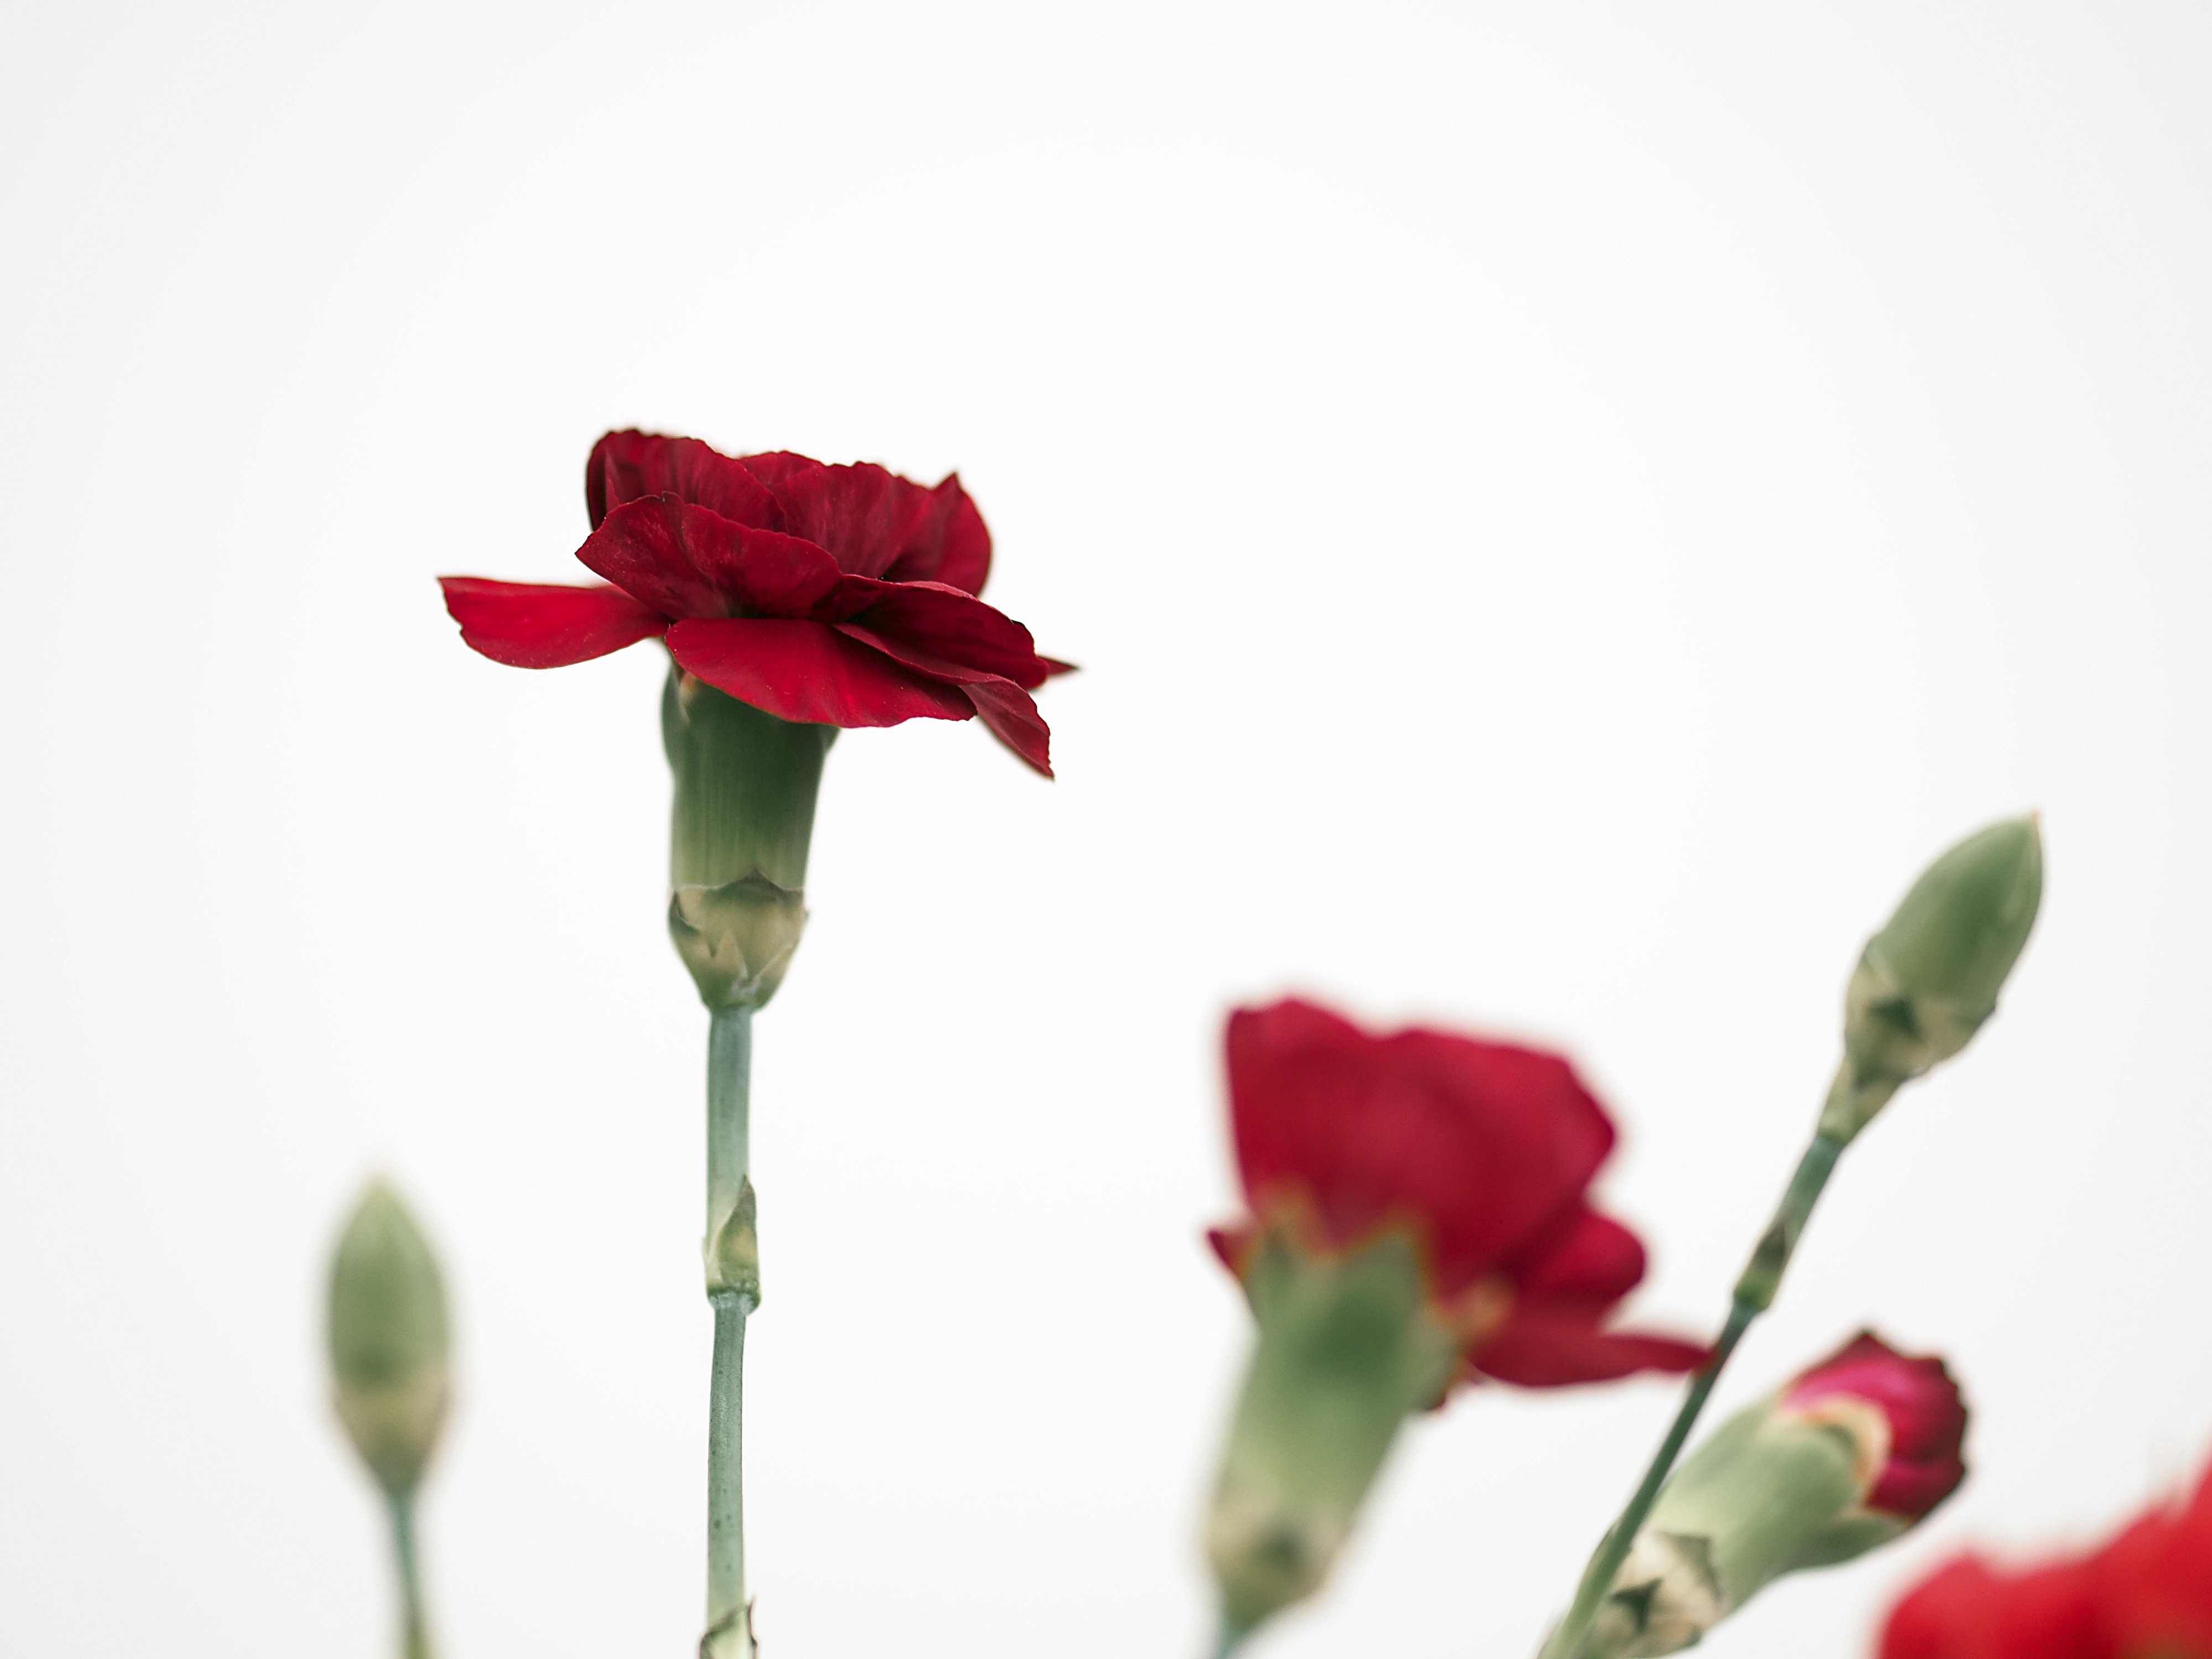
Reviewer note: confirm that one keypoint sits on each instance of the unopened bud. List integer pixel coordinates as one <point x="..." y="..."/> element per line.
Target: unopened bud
<point x="740" y="824"/>
<point x="389" y="1341"/>
<point x="1927" y="982"/>
<point x="1848" y="1456"/>
<point x="1348" y="1347"/>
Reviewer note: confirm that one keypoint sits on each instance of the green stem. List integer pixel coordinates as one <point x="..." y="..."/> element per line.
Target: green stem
<point x="1229" y="1640"/>
<point x="729" y="1067"/>
<point x="1754" y="1294"/>
<point x="414" y="1633"/>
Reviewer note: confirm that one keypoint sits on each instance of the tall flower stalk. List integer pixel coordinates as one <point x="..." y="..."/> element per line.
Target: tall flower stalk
<point x="1924" y="986"/>
<point x="793" y="599"/>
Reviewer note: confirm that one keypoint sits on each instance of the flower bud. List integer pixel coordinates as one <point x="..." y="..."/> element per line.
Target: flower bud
<point x="1848" y="1456"/>
<point x="740" y="823"/>
<point x="389" y="1340"/>
<point x="1348" y="1346"/>
<point x="1927" y="982"/>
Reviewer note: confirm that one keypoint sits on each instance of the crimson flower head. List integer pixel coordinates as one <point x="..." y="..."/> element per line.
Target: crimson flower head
<point x="826" y="595"/>
<point x="2145" y="1595"/>
<point x="1917" y="1420"/>
<point x="1480" y="1152"/>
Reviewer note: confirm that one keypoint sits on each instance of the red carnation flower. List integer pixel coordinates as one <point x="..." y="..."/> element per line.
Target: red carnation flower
<point x="1481" y="1152"/>
<point x="1917" y="1398"/>
<point x="2146" y="1594"/>
<point x="834" y="595"/>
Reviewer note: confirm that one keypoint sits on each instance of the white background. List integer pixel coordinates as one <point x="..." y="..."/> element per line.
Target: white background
<point x="1562" y="510"/>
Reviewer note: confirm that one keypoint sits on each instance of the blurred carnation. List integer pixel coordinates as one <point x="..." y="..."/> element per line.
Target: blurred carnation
<point x="1479" y="1153"/>
<point x="2145" y="1595"/>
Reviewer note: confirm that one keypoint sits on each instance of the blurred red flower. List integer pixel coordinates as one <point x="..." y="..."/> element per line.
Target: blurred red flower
<point x="2146" y="1594"/>
<point x="1917" y="1400"/>
<point x="1479" y="1151"/>
<point x="836" y="595"/>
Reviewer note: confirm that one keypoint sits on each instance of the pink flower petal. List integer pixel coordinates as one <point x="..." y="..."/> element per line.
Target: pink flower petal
<point x="808" y="671"/>
<point x="544" y="625"/>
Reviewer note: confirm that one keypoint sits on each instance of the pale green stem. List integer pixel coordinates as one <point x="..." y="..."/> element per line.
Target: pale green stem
<point x="414" y="1632"/>
<point x="1228" y="1641"/>
<point x="729" y="1066"/>
<point x="1754" y="1293"/>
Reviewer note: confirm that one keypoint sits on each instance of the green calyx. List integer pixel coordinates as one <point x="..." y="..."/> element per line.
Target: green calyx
<point x="1769" y="1493"/>
<point x="390" y="1340"/>
<point x="741" y="821"/>
<point x="1929" y="979"/>
<point x="1348" y="1347"/>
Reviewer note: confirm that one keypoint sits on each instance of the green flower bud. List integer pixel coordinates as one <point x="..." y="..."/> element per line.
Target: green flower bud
<point x="740" y="824"/>
<point x="390" y="1342"/>
<point x="1348" y="1347"/>
<point x="1846" y="1457"/>
<point x="1928" y="981"/>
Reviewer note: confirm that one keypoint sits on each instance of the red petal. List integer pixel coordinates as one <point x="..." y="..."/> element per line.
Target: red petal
<point x="689" y="560"/>
<point x="1927" y="1419"/>
<point x="1584" y="1254"/>
<point x="949" y="543"/>
<point x="942" y="620"/>
<point x="863" y="514"/>
<point x="541" y="625"/>
<point x="1013" y="719"/>
<point x="809" y="673"/>
<point x="1968" y="1612"/>
<point x="1477" y="1145"/>
<point x="1539" y="1348"/>
<point x="1005" y="708"/>
<point x="625" y="466"/>
<point x="773" y="466"/>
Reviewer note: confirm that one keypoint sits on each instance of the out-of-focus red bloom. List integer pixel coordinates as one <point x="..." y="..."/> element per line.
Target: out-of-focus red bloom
<point x="834" y="595"/>
<point x="1927" y="1419"/>
<point x="1479" y="1151"/>
<point x="2146" y="1594"/>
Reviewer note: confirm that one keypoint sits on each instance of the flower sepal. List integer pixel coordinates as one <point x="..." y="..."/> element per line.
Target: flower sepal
<point x="1349" y="1345"/>
<point x="732" y="1253"/>
<point x="741" y="822"/>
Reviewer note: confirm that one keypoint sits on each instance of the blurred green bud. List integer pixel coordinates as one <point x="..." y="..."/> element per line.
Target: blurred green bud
<point x="1348" y="1347"/>
<point x="1849" y="1456"/>
<point x="389" y="1341"/>
<point x="1927" y="982"/>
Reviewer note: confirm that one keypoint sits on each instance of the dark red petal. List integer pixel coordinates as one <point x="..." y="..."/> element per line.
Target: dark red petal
<point x="1053" y="665"/>
<point x="948" y="543"/>
<point x="862" y="514"/>
<point x="1583" y="1254"/>
<point x="1479" y="1146"/>
<point x="806" y="671"/>
<point x="1965" y="1611"/>
<point x="1542" y="1348"/>
<point x="1013" y="719"/>
<point x="2155" y="1583"/>
<point x="1231" y="1243"/>
<point x="1927" y="1418"/>
<point x="689" y="561"/>
<point x="1005" y="708"/>
<point x="773" y="466"/>
<point x="625" y="466"/>
<point x="942" y="620"/>
<point x="541" y="625"/>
